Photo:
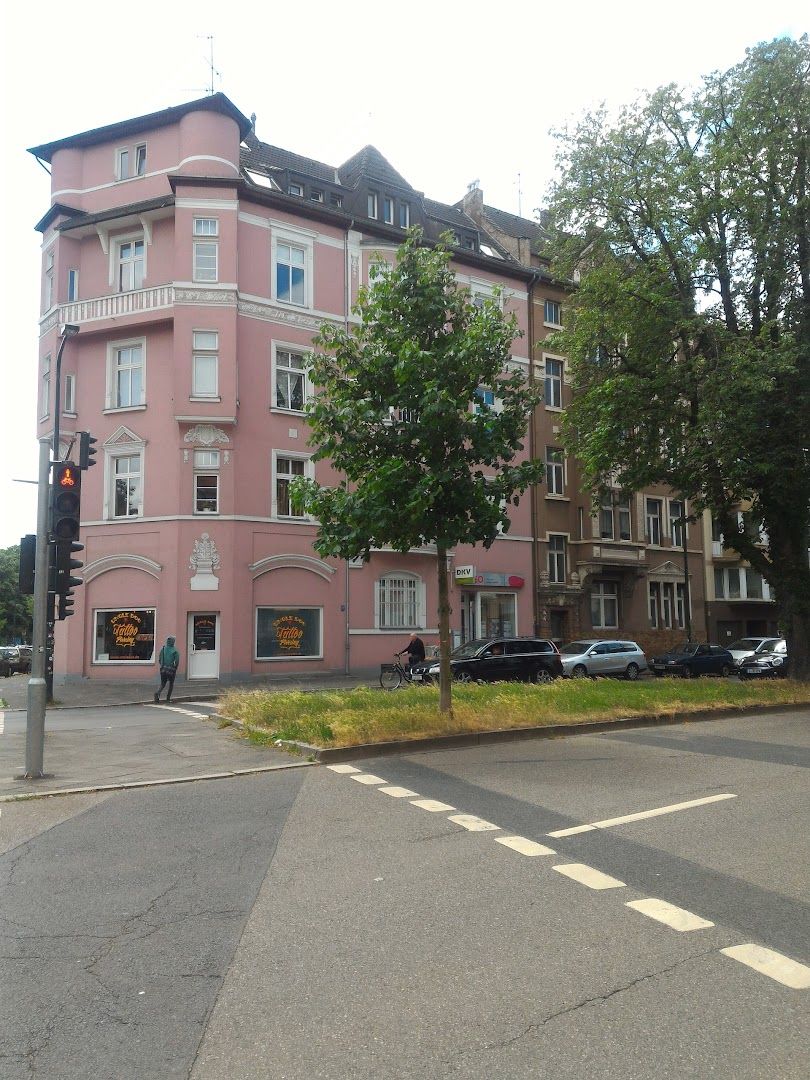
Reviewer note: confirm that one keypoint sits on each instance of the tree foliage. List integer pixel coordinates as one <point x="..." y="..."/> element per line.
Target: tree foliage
<point x="16" y="610"/>
<point x="394" y="415"/>
<point x="686" y="222"/>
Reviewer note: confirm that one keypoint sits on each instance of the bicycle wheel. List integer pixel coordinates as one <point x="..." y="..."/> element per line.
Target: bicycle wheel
<point x="390" y="679"/>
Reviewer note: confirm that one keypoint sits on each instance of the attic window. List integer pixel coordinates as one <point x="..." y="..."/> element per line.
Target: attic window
<point x="372" y="204"/>
<point x="487" y="250"/>
<point x="469" y="243"/>
<point x="335" y="199"/>
<point x="316" y="195"/>
<point x="404" y="215"/>
<point x="261" y="180"/>
<point x="296" y="189"/>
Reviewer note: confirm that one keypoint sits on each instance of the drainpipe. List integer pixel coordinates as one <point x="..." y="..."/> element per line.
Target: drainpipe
<point x="532" y="455"/>
<point x="347" y="643"/>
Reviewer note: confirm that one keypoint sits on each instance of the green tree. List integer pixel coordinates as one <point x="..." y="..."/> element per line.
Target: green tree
<point x="16" y="610"/>
<point x="686" y="222"/>
<point x="394" y="415"/>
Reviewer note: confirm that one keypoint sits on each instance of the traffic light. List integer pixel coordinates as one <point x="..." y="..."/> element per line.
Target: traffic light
<point x="87" y="450"/>
<point x="65" y="511"/>
<point x="28" y="555"/>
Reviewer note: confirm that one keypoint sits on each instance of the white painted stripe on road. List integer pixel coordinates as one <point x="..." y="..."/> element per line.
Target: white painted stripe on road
<point x="2" y="721"/>
<point x="342" y="768"/>
<point x="473" y="823"/>
<point x="524" y="846"/>
<point x="586" y="875"/>
<point x="608" y="823"/>
<point x="433" y="805"/>
<point x="399" y="792"/>
<point x="672" y="916"/>
<point x="177" y="709"/>
<point x="773" y="964"/>
<point x="369" y="778"/>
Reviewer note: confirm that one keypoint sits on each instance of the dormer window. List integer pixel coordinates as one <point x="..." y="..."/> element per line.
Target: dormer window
<point x="336" y="200"/>
<point x="388" y="210"/>
<point x="404" y="215"/>
<point x="316" y="195"/>
<point x="372" y="204"/>
<point x="296" y="189"/>
<point x="130" y="162"/>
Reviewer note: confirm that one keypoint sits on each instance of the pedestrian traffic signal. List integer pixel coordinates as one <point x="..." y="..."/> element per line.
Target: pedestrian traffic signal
<point x="28" y="553"/>
<point x="66" y="495"/>
<point x="87" y="450"/>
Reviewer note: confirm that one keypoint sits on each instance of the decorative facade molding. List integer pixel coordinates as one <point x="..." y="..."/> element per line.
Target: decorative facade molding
<point x="123" y="437"/>
<point x="206" y="435"/>
<point x="107" y="563"/>
<point x="204" y="561"/>
<point x="214" y="297"/>
<point x="291" y="562"/>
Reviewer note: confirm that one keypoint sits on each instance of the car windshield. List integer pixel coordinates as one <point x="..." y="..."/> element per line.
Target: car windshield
<point x="575" y="648"/>
<point x="688" y="648"/>
<point x="745" y="644"/>
<point x="469" y="648"/>
<point x="769" y="644"/>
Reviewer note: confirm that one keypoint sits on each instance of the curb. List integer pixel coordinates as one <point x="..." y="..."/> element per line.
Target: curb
<point x="483" y="738"/>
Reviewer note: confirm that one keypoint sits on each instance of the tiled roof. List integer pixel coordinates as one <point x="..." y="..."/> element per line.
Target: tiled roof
<point x="518" y="227"/>
<point x="262" y="156"/>
<point x="370" y="162"/>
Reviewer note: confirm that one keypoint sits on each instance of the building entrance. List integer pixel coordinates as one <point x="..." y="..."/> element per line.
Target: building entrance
<point x="203" y="646"/>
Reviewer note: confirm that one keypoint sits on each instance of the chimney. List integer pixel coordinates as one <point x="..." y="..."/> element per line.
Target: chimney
<point x="473" y="202"/>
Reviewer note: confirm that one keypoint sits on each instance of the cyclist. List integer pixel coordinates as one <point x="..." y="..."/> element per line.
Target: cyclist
<point x="415" y="650"/>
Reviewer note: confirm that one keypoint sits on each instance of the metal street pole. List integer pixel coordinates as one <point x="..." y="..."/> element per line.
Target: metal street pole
<point x="37" y="687"/>
<point x="686" y="597"/>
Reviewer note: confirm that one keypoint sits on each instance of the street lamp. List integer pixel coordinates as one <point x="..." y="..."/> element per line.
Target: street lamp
<point x="68" y="330"/>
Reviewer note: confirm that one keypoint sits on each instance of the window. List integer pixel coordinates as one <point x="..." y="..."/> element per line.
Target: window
<point x="606" y="517"/>
<point x="315" y="195"/>
<point x="654" y="516"/>
<point x="667" y="605"/>
<point x="605" y="605"/>
<point x="740" y="583"/>
<point x="288" y="632"/>
<point x="296" y="189"/>
<point x="70" y="394"/>
<point x="126" y="377"/>
<point x="398" y="602"/>
<point x="404" y="215"/>
<point x="625" y="519"/>
<point x="614" y="517"/>
<point x="48" y="290"/>
<point x="45" y="388"/>
<point x="486" y="401"/>
<point x="73" y="286"/>
<point x="677" y="531"/>
<point x="130" y="265"/>
<point x="140" y="160"/>
<point x="552" y="313"/>
<point x="205" y="364"/>
<point x="206" y="226"/>
<point x="554" y="379"/>
<point x="124" y="636"/>
<point x="556" y="558"/>
<point x="290" y="380"/>
<point x="335" y="199"/>
<point x="286" y="469"/>
<point x="122" y="167"/>
<point x="555" y="470"/>
<point x="388" y="210"/>
<point x="126" y="470"/>
<point x="205" y="261"/>
<point x="680" y="604"/>
<point x="131" y="162"/>
<point x="291" y="274"/>
<point x="206" y="482"/>
<point x="372" y="204"/>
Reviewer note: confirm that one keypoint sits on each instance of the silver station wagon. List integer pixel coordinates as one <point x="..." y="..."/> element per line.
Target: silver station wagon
<point x="592" y="656"/>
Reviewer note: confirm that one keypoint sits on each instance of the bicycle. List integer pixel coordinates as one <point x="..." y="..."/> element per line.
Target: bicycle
<point x="392" y="676"/>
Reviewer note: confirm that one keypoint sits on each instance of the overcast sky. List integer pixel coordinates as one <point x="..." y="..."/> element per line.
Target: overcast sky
<point x="449" y="92"/>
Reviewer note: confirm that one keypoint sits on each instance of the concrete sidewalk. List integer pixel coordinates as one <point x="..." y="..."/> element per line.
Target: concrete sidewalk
<point x="89" y="693"/>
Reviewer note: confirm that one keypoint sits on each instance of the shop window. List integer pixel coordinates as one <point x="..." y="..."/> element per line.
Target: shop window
<point x="283" y="633"/>
<point x="124" y="636"/>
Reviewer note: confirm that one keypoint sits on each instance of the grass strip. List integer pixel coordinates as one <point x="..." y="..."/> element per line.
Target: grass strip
<point x="337" y="718"/>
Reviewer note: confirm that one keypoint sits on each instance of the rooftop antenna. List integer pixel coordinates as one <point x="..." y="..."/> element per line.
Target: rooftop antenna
<point x="209" y="89"/>
<point x="520" y="197"/>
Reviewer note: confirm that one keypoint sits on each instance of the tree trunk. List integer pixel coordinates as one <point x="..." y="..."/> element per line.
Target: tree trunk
<point x="445" y="676"/>
<point x="788" y="550"/>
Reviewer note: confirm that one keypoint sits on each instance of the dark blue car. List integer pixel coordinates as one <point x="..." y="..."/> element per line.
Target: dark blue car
<point x="693" y="659"/>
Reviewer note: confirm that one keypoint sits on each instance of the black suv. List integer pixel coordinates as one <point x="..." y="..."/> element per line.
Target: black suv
<point x="497" y="658"/>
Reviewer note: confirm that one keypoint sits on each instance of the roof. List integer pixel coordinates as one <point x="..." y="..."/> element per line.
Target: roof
<point x="518" y="227"/>
<point x="273" y="157"/>
<point x="370" y="162"/>
<point x="212" y="103"/>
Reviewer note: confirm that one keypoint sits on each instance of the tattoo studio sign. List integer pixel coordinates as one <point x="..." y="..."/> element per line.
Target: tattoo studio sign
<point x="283" y="632"/>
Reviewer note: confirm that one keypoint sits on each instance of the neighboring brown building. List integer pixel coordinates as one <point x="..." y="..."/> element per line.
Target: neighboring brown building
<point x="618" y="572"/>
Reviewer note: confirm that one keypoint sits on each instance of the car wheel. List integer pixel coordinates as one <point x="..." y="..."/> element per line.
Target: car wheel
<point x="543" y="675"/>
<point x="691" y="673"/>
<point x="579" y="672"/>
<point x="631" y="672"/>
<point x="464" y="676"/>
<point x="725" y="671"/>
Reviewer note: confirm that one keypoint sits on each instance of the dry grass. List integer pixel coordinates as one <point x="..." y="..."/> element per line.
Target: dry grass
<point x="351" y="717"/>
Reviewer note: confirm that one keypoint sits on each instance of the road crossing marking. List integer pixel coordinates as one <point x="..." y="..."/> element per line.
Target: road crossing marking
<point x="524" y="846"/>
<point x="177" y="709"/>
<point x="369" y="778"/>
<point x="586" y="875"/>
<point x="342" y="768"/>
<point x="2" y="721"/>
<point x="473" y="823"/>
<point x="608" y="823"/>
<point x="433" y="805"/>
<point x="672" y="916"/>
<point x="399" y="792"/>
<point x="773" y="964"/>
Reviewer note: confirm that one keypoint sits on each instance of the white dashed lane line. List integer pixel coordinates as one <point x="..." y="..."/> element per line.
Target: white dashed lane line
<point x="473" y="823"/>
<point x="398" y="792"/>
<point x="609" y="823"/>
<point x="433" y="805"/>
<point x="669" y="915"/>
<point x="586" y="875"/>
<point x="369" y="779"/>
<point x="342" y="768"/>
<point x="524" y="845"/>
<point x="773" y="964"/>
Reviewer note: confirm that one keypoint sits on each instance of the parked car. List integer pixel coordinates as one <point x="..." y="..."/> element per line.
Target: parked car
<point x="747" y="646"/>
<point x="693" y="659"/>
<point x="766" y="663"/>
<point x="26" y="652"/>
<point x="603" y="657"/>
<point x="498" y="658"/>
<point x="6" y="653"/>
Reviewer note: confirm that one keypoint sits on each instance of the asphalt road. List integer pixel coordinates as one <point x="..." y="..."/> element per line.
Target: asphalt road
<point x="300" y="924"/>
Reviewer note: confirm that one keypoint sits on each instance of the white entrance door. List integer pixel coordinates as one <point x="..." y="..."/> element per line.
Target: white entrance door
<point x="203" y="645"/>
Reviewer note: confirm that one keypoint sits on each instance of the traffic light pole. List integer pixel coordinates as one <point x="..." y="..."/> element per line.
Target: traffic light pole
<point x="37" y="686"/>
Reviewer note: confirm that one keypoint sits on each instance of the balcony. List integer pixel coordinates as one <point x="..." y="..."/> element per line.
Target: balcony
<point x="118" y="305"/>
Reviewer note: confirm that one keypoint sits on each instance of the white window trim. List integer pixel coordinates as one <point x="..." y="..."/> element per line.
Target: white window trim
<point x="306" y="351"/>
<point x="195" y="275"/>
<point x="309" y="472"/>
<point x="549" y="492"/>
<point x="294" y="239"/>
<point x="195" y="394"/>
<point x="123" y="663"/>
<point x="660" y="517"/>
<point x="132" y="170"/>
<point x="109" y="400"/>
<point x="421" y="601"/>
<point x="560" y="360"/>
<point x="546" y="322"/>
<point x="672" y="518"/>
<point x="70" y="395"/>
<point x="597" y="589"/>
<point x="111" y="452"/>
<point x="115" y="250"/>
<point x="549" y="552"/>
<point x="45" y="387"/>
<point x="204" y="235"/>
<point x="211" y="471"/>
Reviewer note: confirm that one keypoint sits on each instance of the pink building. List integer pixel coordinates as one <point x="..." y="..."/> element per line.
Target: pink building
<point x="199" y="263"/>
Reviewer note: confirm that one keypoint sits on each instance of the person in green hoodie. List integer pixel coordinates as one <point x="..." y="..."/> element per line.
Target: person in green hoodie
<point x="169" y="661"/>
